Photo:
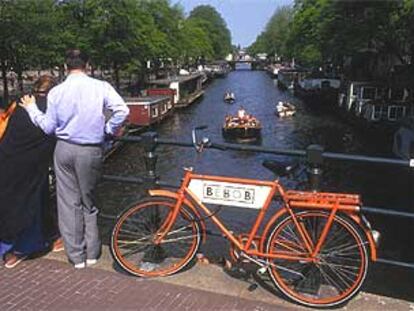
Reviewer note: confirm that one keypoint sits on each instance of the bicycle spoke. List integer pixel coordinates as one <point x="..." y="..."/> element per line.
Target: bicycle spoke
<point x="134" y="241"/>
<point x="339" y="268"/>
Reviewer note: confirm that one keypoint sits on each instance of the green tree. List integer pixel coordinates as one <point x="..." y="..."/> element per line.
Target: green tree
<point x="208" y="19"/>
<point x="26" y="36"/>
<point x="195" y="41"/>
<point x="274" y="39"/>
<point x="123" y="35"/>
<point x="168" y="20"/>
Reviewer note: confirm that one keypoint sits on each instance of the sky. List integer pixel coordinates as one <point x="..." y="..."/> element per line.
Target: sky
<point x="245" y="18"/>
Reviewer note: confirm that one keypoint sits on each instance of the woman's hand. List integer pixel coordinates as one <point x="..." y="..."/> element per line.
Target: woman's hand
<point x="27" y="100"/>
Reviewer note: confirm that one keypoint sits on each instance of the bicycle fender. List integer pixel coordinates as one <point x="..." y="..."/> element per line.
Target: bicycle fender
<point x="368" y="234"/>
<point x="174" y="195"/>
<point x="269" y="225"/>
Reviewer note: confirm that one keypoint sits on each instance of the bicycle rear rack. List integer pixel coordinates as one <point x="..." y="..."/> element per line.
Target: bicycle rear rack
<point x="350" y="202"/>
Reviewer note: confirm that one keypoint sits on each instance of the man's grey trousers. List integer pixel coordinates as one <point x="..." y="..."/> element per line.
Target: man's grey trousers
<point x="78" y="169"/>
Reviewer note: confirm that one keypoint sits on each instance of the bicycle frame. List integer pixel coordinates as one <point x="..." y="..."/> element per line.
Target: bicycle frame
<point x="331" y="202"/>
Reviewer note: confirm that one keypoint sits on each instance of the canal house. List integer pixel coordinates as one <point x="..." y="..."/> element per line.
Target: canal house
<point x="187" y="88"/>
<point x="150" y="109"/>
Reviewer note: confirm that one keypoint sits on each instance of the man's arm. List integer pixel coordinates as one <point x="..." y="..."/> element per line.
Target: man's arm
<point x="46" y="121"/>
<point x="120" y="111"/>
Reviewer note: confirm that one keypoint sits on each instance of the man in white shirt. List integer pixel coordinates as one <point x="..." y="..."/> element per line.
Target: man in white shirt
<point x="75" y="114"/>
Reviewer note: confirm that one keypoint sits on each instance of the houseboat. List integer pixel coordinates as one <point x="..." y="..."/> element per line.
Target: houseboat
<point x="356" y="94"/>
<point x="220" y="69"/>
<point x="318" y="91"/>
<point x="394" y="106"/>
<point x="150" y="109"/>
<point x="187" y="88"/>
<point x="287" y="78"/>
<point x="241" y="127"/>
<point x="376" y="103"/>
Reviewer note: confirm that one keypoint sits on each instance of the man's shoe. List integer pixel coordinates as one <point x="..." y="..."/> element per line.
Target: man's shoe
<point x="80" y="265"/>
<point x="57" y="246"/>
<point x="91" y="262"/>
<point x="12" y="260"/>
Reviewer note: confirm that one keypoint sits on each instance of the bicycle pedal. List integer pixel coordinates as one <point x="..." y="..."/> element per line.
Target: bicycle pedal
<point x="262" y="270"/>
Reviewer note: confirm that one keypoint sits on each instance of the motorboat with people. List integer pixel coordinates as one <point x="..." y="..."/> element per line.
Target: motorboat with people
<point x="229" y="97"/>
<point x="241" y="127"/>
<point x="285" y="109"/>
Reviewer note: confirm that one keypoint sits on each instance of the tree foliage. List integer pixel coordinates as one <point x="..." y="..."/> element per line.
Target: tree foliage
<point x="320" y="31"/>
<point x="121" y="36"/>
<point x="208" y="19"/>
<point x="274" y="38"/>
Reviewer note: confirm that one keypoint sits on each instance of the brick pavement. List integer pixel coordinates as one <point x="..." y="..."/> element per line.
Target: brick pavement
<point x="44" y="284"/>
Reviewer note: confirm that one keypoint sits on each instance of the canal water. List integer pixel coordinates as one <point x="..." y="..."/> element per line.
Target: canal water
<point x="380" y="186"/>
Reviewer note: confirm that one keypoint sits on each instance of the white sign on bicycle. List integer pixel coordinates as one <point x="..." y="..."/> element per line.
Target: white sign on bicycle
<point x="230" y="194"/>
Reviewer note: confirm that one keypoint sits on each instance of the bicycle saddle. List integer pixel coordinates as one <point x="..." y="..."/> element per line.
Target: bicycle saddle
<point x="280" y="168"/>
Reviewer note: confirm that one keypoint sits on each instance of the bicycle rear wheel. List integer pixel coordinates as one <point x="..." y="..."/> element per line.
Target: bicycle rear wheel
<point x="132" y="240"/>
<point x="342" y="262"/>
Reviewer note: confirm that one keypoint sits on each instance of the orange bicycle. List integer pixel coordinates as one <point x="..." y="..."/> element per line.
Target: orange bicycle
<point x="316" y="247"/>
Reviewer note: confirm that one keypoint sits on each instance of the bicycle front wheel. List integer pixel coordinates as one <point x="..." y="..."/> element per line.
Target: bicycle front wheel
<point x="133" y="239"/>
<point x="340" y="268"/>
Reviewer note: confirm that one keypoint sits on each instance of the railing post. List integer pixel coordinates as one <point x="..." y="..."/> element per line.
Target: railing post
<point x="149" y="142"/>
<point x="315" y="161"/>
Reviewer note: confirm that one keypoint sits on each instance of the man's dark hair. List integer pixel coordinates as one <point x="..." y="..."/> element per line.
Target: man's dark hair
<point x="76" y="59"/>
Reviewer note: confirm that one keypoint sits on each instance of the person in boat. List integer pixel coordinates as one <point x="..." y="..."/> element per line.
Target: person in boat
<point x="241" y="114"/>
<point x="27" y="222"/>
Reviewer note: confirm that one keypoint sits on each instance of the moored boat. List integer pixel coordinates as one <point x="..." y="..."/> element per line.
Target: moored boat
<point x="147" y="110"/>
<point x="318" y="90"/>
<point x="241" y="127"/>
<point x="288" y="77"/>
<point x="187" y="88"/>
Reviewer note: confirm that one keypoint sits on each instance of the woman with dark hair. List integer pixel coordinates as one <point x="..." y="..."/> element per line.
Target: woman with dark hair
<point x="25" y="155"/>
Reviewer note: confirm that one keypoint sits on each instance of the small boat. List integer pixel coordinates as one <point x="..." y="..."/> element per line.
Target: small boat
<point x="285" y="109"/>
<point x="229" y="97"/>
<point x="242" y="127"/>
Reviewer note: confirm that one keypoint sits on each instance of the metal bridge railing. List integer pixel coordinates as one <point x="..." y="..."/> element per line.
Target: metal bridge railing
<point x="314" y="155"/>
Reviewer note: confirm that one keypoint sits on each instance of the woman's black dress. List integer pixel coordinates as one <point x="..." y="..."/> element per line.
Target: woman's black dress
<point x="25" y="155"/>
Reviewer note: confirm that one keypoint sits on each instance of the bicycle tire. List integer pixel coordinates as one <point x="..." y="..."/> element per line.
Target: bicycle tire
<point x="343" y="262"/>
<point x="132" y="239"/>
